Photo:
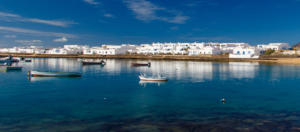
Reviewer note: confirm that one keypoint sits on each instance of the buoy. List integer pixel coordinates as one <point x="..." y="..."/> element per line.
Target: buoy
<point x="223" y="100"/>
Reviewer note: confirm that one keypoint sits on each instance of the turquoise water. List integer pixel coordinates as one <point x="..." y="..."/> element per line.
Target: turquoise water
<point x="260" y="97"/>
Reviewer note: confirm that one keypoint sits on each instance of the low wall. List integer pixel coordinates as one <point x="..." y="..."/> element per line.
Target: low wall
<point x="216" y="58"/>
<point x="151" y="57"/>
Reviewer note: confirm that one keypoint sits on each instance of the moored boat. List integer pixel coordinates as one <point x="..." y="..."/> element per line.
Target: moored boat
<point x="10" y="68"/>
<point x="153" y="78"/>
<point x="27" y="60"/>
<point x="93" y="63"/>
<point x="5" y="61"/>
<point x="9" y="59"/>
<point x="141" y="64"/>
<point x="53" y="74"/>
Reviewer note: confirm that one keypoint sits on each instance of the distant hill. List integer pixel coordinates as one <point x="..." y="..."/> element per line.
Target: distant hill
<point x="296" y="46"/>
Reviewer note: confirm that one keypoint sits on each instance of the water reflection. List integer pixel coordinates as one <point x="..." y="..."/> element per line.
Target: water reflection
<point x="242" y="69"/>
<point x="146" y="83"/>
<point x="40" y="79"/>
<point x="113" y="92"/>
<point x="173" y="70"/>
<point x="55" y="64"/>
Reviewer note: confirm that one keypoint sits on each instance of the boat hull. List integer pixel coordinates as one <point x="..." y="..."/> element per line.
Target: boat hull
<point x="153" y="79"/>
<point x="10" y="68"/>
<point x="54" y="74"/>
<point x="92" y="63"/>
<point x="140" y="64"/>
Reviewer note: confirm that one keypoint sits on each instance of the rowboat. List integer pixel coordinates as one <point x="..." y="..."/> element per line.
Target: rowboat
<point x="143" y="77"/>
<point x="141" y="64"/>
<point x="27" y="60"/>
<point x="53" y="74"/>
<point x="10" y="68"/>
<point x="93" y="63"/>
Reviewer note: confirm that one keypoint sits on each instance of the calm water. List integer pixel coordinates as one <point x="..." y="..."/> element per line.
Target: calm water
<point x="259" y="97"/>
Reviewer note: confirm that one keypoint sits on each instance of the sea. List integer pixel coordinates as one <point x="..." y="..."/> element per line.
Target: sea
<point x="260" y="97"/>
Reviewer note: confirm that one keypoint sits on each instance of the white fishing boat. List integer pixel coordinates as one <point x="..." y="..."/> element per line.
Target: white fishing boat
<point x="8" y="60"/>
<point x="143" y="77"/>
<point x="53" y="74"/>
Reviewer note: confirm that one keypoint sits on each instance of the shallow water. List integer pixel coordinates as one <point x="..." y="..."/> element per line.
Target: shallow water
<point x="259" y="97"/>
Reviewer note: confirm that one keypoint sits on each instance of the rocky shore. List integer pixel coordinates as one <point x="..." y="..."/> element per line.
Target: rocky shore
<point x="236" y="122"/>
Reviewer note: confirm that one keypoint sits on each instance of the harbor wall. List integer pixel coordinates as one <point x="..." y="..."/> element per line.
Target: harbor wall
<point x="216" y="58"/>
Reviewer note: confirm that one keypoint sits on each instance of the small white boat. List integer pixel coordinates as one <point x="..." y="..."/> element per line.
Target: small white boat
<point x="53" y="74"/>
<point x="143" y="77"/>
<point x="8" y="60"/>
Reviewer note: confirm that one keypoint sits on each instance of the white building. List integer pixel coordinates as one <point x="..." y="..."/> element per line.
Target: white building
<point x="4" y="50"/>
<point x="291" y="52"/>
<point x="109" y="50"/>
<point x="24" y="50"/>
<point x="57" y="51"/>
<point x="167" y="48"/>
<point x="248" y="52"/>
<point x="273" y="46"/>
<point x="204" y="51"/>
<point x="75" y="49"/>
<point x="229" y="47"/>
<point x="146" y="49"/>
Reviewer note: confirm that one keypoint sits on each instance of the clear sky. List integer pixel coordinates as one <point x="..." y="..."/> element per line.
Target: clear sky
<point x="94" y="22"/>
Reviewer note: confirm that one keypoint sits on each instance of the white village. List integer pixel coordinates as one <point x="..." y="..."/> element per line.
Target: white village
<point x="235" y="50"/>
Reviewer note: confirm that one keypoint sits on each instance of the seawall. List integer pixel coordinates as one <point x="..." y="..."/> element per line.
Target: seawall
<point x="216" y="58"/>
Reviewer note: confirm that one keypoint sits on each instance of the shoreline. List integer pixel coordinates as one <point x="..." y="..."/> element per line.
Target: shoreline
<point x="294" y="60"/>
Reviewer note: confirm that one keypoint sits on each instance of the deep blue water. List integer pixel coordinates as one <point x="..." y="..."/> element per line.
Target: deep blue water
<point x="113" y="94"/>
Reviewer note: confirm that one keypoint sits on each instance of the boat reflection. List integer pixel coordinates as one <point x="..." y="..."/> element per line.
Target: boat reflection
<point x="173" y="70"/>
<point x="145" y="83"/>
<point x="45" y="79"/>
<point x="40" y="79"/>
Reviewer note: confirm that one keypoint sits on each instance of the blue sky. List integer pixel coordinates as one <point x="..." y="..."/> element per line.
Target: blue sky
<point x="52" y="23"/>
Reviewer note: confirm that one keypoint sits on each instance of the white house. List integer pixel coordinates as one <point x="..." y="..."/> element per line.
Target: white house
<point x="109" y="49"/>
<point x="24" y="50"/>
<point x="204" y="51"/>
<point x="75" y="49"/>
<point x="61" y="51"/>
<point x="273" y="46"/>
<point x="90" y="51"/>
<point x="196" y="45"/>
<point x="247" y="52"/>
<point x="4" y="50"/>
<point x="229" y="47"/>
